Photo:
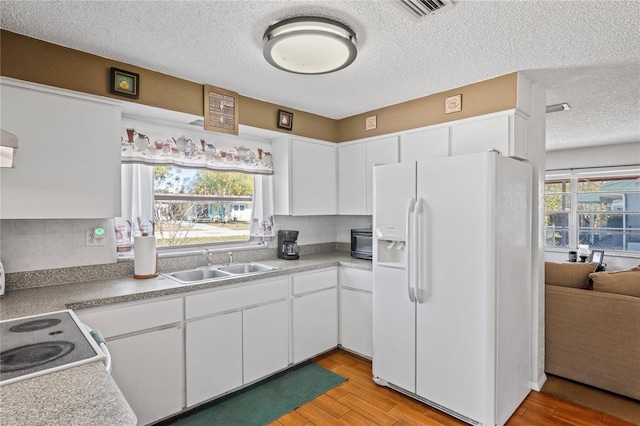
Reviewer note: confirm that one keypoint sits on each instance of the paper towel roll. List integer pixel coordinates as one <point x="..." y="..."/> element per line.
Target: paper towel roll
<point x="145" y="260"/>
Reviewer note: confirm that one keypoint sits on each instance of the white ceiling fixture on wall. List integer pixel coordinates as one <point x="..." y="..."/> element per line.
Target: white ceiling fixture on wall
<point x="590" y="60"/>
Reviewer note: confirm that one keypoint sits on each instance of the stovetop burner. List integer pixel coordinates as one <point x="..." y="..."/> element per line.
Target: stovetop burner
<point x="31" y="355"/>
<point x="34" y="325"/>
<point x="41" y="344"/>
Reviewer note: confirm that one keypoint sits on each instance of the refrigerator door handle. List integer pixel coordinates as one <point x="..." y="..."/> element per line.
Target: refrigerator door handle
<point x="418" y="241"/>
<point x="409" y="248"/>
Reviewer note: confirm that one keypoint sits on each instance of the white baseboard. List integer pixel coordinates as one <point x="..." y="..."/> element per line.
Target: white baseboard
<point x="536" y="386"/>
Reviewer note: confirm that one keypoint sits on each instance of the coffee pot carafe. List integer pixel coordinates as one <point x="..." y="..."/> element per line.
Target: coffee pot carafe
<point x="287" y="245"/>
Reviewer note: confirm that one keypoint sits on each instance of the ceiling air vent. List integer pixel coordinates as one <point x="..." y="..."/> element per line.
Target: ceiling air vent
<point x="421" y="8"/>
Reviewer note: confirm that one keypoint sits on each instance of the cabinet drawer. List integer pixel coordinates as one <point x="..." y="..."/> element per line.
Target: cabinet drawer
<point x="235" y="298"/>
<point x="356" y="278"/>
<point x="128" y="319"/>
<point x="313" y="281"/>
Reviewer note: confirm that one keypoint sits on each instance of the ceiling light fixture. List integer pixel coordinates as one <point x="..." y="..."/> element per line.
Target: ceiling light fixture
<point x="558" y="107"/>
<point x="308" y="45"/>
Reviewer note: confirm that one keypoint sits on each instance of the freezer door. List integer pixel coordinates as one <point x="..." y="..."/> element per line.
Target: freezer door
<point x="394" y="332"/>
<point x="455" y="321"/>
<point x="393" y="186"/>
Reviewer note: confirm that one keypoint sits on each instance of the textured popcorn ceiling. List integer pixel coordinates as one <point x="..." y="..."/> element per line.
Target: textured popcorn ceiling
<point x="585" y="53"/>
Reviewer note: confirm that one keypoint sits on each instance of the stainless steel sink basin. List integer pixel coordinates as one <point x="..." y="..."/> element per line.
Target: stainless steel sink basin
<point x="246" y="268"/>
<point x="209" y="273"/>
<point x="200" y="274"/>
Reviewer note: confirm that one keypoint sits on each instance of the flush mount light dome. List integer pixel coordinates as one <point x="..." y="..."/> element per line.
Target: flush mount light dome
<point x="308" y="45"/>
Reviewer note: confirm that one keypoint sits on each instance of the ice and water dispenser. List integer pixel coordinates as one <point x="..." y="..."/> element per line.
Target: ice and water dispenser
<point x="391" y="245"/>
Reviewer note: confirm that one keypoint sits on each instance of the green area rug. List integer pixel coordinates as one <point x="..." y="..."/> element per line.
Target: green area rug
<point x="265" y="401"/>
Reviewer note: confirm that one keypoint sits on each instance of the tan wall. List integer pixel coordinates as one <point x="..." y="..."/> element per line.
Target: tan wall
<point x="497" y="94"/>
<point x="33" y="60"/>
<point x="263" y="115"/>
<point x="28" y="59"/>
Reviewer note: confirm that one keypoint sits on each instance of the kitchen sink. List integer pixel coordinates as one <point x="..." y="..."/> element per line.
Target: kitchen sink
<point x="246" y="268"/>
<point x="198" y="275"/>
<point x="210" y="273"/>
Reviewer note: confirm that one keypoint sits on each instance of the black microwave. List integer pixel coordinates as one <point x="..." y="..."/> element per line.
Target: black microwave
<point x="362" y="243"/>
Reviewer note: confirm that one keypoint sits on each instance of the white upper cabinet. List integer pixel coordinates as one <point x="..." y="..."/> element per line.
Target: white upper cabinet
<point x="424" y="144"/>
<point x="305" y="177"/>
<point x="352" y="179"/>
<point x="68" y="161"/>
<point x="505" y="132"/>
<point x="355" y="172"/>
<point x="379" y="151"/>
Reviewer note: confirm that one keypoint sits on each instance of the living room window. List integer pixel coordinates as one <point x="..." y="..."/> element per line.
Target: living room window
<point x="598" y="208"/>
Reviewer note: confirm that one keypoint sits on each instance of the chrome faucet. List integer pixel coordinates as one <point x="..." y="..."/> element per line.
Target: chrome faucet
<point x="208" y="256"/>
<point x="230" y="258"/>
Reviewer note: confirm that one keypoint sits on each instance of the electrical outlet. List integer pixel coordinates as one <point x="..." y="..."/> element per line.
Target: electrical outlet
<point x="93" y="240"/>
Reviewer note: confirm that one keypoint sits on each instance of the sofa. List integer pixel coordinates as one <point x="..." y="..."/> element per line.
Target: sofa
<point x="592" y="326"/>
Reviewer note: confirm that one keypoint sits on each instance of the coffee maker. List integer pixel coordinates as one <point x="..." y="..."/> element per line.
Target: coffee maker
<point x="287" y="245"/>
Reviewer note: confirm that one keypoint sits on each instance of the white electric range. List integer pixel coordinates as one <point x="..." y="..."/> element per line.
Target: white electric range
<point x="41" y="344"/>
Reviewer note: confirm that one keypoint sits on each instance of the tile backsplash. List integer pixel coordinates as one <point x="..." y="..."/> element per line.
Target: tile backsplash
<point x="42" y="244"/>
<point x="34" y="244"/>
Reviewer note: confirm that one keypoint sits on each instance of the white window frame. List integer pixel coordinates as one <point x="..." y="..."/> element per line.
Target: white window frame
<point x="574" y="175"/>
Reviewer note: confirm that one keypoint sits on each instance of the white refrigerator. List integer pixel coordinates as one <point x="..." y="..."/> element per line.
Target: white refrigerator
<point x="452" y="283"/>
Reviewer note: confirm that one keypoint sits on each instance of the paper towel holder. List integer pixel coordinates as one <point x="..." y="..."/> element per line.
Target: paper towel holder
<point x="145" y="268"/>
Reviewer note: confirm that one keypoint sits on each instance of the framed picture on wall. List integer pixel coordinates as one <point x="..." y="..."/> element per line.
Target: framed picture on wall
<point x="125" y="83"/>
<point x="285" y="120"/>
<point x="221" y="110"/>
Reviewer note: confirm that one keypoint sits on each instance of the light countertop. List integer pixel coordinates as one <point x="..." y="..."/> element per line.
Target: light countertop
<point x="87" y="395"/>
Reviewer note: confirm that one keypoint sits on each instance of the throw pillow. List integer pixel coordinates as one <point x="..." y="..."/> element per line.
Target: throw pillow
<point x="569" y="274"/>
<point x="620" y="282"/>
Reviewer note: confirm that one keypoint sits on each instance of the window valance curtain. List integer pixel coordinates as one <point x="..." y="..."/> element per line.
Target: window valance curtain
<point x="155" y="144"/>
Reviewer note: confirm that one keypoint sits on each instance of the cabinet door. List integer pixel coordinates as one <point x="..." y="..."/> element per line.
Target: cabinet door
<point x="506" y="133"/>
<point x="356" y="321"/>
<point x="68" y="163"/>
<point x="352" y="179"/>
<point x="265" y="340"/>
<point x="313" y="178"/>
<point x="315" y="324"/>
<point x="481" y="136"/>
<point x="425" y="145"/>
<point x="379" y="151"/>
<point x="148" y="369"/>
<point x="214" y="356"/>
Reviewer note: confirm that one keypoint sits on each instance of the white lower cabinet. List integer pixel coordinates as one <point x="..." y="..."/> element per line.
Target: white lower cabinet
<point x="148" y="370"/>
<point x="356" y="312"/>
<point x="145" y="342"/>
<point x="314" y="313"/>
<point x="265" y="336"/>
<point x="235" y="336"/>
<point x="214" y="356"/>
<point x="199" y="346"/>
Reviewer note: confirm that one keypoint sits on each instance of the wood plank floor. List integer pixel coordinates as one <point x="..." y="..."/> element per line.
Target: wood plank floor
<point x="359" y="401"/>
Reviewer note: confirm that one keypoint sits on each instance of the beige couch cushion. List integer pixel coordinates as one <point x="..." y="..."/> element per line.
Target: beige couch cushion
<point x="570" y="274"/>
<point x="620" y="282"/>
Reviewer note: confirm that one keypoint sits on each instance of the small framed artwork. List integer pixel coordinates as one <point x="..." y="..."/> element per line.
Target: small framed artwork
<point x="285" y="120"/>
<point x="125" y="83"/>
<point x="597" y="256"/>
<point x="453" y="104"/>
<point x="371" y="123"/>
<point x="221" y="110"/>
